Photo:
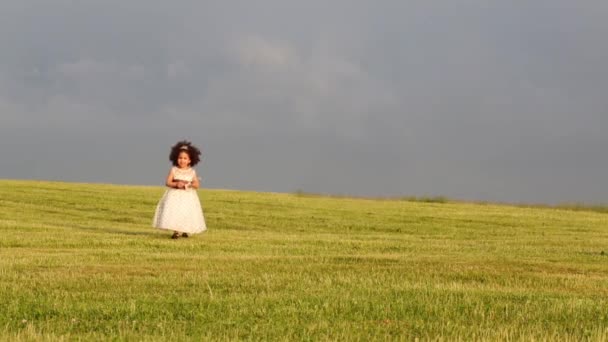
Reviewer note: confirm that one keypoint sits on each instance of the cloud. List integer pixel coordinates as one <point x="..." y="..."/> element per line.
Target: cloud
<point x="255" y="51"/>
<point x="310" y="89"/>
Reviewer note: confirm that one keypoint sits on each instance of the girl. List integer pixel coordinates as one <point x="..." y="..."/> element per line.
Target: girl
<point x="180" y="209"/>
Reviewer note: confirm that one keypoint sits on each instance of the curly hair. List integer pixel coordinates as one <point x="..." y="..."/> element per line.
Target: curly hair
<point x="185" y="146"/>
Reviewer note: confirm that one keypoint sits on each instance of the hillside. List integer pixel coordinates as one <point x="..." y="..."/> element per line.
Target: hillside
<point x="80" y="261"/>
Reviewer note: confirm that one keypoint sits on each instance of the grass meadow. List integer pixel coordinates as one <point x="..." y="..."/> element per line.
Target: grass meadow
<point x="81" y="262"/>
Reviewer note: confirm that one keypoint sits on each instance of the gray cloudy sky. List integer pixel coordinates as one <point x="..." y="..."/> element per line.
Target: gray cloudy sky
<point x="470" y="99"/>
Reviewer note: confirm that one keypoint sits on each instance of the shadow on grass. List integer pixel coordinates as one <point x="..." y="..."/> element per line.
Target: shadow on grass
<point x="153" y="232"/>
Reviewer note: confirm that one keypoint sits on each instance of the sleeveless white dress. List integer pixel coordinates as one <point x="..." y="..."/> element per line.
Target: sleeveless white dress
<point x="180" y="210"/>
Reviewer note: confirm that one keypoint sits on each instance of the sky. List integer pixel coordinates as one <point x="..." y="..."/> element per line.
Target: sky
<point x="470" y="99"/>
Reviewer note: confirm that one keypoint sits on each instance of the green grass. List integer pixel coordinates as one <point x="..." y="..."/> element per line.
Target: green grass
<point x="80" y="262"/>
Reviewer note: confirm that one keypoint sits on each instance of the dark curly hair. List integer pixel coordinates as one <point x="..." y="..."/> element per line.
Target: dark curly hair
<point x="185" y="146"/>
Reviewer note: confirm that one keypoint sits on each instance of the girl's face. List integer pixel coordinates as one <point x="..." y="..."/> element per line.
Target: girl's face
<point x="183" y="160"/>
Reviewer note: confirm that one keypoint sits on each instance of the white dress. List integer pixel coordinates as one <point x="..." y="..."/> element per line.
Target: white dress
<point x="180" y="209"/>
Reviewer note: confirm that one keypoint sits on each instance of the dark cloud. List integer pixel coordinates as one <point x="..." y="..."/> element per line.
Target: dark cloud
<point x="474" y="100"/>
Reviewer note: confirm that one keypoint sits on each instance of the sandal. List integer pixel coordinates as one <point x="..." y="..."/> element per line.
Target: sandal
<point x="175" y="235"/>
<point x="184" y="235"/>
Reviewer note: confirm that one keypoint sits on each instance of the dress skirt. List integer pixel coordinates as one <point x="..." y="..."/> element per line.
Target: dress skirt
<point x="180" y="210"/>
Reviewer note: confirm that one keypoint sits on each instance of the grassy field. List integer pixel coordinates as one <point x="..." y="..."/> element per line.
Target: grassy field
<point x="80" y="262"/>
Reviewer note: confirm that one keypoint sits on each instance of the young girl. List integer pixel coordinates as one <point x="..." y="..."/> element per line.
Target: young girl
<point x="180" y="209"/>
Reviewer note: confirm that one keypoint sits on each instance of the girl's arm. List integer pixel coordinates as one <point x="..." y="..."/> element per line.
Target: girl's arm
<point x="170" y="183"/>
<point x="195" y="183"/>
